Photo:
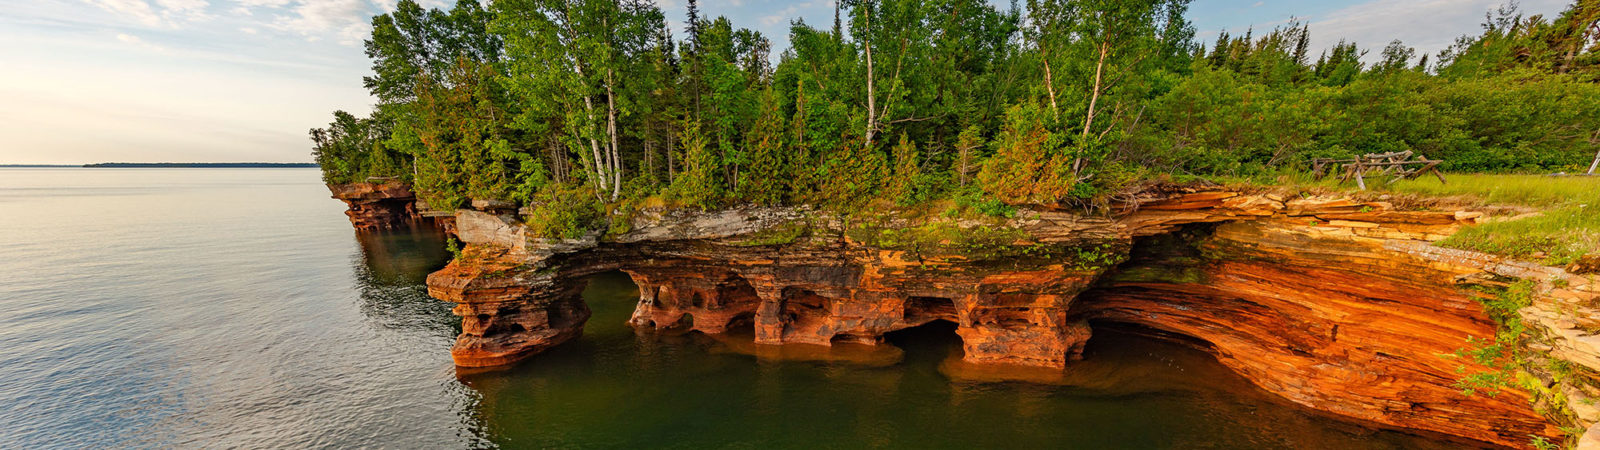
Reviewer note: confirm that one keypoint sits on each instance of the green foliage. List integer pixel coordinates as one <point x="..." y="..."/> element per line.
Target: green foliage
<point x="1030" y="163"/>
<point x="915" y="102"/>
<point x="563" y="212"/>
<point x="1554" y="237"/>
<point x="351" y="149"/>
<point x="975" y="200"/>
<point x="943" y="237"/>
<point x="453" y="246"/>
<point x="698" y="186"/>
<point x="1498" y="354"/>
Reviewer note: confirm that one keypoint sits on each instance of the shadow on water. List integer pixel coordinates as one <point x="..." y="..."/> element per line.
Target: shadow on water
<point x="617" y="387"/>
<point x="392" y="275"/>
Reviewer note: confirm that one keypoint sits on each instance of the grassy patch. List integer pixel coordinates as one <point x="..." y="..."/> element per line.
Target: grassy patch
<point x="939" y="236"/>
<point x="1568" y="227"/>
<point x="1556" y="237"/>
<point x="779" y="235"/>
<point x="1525" y="190"/>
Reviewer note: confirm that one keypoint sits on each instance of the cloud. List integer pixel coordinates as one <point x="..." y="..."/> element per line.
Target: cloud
<point x="260" y="3"/>
<point x="188" y="8"/>
<point x="348" y="21"/>
<point x="140" y="43"/>
<point x="164" y="13"/>
<point x="1427" y="25"/>
<point x="137" y="10"/>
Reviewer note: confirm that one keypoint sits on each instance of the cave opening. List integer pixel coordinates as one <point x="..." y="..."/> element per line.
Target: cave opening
<point x="685" y="322"/>
<point x="742" y="325"/>
<point x="935" y="340"/>
<point x="611" y="298"/>
<point x="1113" y="330"/>
<point x="803" y="310"/>
<point x="735" y="292"/>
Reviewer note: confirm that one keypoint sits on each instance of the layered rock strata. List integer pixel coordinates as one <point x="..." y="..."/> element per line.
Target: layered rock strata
<point x="1317" y="300"/>
<point x="377" y="206"/>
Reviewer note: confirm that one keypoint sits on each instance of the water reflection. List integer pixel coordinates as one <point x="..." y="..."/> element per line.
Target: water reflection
<point x="392" y="275"/>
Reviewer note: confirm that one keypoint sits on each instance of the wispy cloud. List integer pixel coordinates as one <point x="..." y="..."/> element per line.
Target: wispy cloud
<point x="164" y="13"/>
<point x="1427" y="25"/>
<point x="139" y="43"/>
<point x="137" y="10"/>
<point x="346" y="21"/>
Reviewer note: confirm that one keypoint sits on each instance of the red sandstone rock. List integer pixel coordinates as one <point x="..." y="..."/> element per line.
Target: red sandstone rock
<point x="375" y="206"/>
<point x="1322" y="322"/>
<point x="1329" y="317"/>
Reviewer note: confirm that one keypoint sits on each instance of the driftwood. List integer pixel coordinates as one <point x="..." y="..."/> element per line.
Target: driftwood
<point x="1397" y="165"/>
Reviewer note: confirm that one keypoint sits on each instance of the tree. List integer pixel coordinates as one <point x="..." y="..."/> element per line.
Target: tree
<point x="1111" y="52"/>
<point x="1340" y="65"/>
<point x="572" y="61"/>
<point x="412" y="42"/>
<point x="1395" y="57"/>
<point x="351" y="149"/>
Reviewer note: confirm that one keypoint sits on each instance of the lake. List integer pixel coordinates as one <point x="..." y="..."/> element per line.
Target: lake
<point x="237" y="308"/>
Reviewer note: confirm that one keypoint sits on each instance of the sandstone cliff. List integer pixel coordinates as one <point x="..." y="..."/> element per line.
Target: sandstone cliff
<point x="1337" y="305"/>
<point x="384" y="206"/>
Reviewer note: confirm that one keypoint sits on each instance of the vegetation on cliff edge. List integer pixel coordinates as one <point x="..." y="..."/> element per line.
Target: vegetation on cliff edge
<point x="1052" y="102"/>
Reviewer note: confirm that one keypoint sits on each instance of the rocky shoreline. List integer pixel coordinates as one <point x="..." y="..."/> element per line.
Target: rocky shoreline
<point x="1338" y="305"/>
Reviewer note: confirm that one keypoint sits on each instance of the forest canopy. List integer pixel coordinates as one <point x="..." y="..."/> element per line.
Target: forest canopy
<point x="579" y="107"/>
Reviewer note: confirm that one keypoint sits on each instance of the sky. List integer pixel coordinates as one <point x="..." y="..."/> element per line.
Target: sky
<point x="85" y="81"/>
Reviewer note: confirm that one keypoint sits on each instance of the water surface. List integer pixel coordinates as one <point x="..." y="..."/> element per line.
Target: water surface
<point x="237" y="308"/>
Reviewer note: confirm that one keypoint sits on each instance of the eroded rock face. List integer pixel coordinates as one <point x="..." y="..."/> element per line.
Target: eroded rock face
<point x="1331" y="321"/>
<point x="1312" y="299"/>
<point x="377" y="206"/>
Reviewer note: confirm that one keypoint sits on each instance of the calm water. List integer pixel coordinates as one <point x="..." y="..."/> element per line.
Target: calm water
<point x="237" y="308"/>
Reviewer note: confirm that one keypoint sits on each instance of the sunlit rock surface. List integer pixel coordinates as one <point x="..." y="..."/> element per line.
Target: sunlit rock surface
<point x="377" y="206"/>
<point x="1333" y="304"/>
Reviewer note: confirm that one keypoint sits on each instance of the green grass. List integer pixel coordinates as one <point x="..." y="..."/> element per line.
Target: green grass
<point x="1557" y="237"/>
<point x="1524" y="190"/>
<point x="1567" y="228"/>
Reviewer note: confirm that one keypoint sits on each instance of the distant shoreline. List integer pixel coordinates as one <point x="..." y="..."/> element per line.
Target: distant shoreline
<point x="120" y="165"/>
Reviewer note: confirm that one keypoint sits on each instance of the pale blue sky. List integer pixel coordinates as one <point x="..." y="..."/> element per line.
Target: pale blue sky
<point x="242" y="80"/>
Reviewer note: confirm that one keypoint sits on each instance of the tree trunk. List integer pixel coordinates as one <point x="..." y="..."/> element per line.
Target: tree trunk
<point x="649" y="164"/>
<point x="672" y="144"/>
<point x="1094" y="98"/>
<point x="1049" y="84"/>
<point x="611" y="128"/>
<point x="872" y="94"/>
<point x="1595" y="141"/>
<point x="963" y="157"/>
<point x="555" y="160"/>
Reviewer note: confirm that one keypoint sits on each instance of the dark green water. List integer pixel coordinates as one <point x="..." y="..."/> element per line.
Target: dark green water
<point x="236" y="308"/>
